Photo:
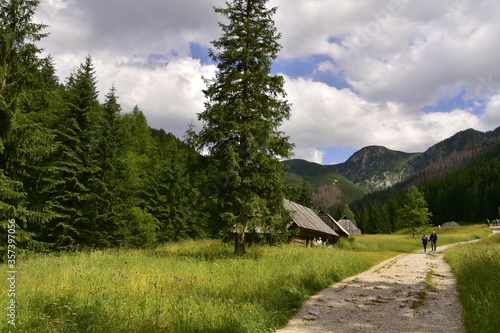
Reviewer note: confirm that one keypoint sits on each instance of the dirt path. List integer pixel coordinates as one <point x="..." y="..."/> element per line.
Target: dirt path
<point x="409" y="293"/>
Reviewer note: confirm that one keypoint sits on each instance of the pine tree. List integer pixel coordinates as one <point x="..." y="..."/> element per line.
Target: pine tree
<point x="245" y="106"/>
<point x="110" y="147"/>
<point x="25" y="141"/>
<point x="18" y="55"/>
<point x="414" y="214"/>
<point x="77" y="195"/>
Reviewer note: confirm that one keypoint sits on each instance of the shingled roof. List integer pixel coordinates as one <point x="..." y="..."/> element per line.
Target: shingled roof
<point x="332" y="223"/>
<point x="305" y="218"/>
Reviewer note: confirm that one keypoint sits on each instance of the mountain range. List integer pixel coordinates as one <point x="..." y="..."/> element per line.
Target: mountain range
<point x="376" y="168"/>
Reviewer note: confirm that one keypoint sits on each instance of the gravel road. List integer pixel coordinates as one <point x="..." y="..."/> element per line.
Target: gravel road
<point x="409" y="293"/>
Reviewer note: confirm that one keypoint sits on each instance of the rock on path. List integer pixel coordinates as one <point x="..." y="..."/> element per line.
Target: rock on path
<point x="409" y="293"/>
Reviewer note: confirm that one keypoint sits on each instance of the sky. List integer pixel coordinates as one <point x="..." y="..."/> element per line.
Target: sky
<point x="396" y="73"/>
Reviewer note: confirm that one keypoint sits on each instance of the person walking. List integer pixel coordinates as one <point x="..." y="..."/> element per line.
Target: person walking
<point x="425" y="240"/>
<point x="433" y="238"/>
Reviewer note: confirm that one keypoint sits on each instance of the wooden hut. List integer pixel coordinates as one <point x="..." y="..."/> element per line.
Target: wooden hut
<point x="349" y="226"/>
<point x="332" y="223"/>
<point x="308" y="224"/>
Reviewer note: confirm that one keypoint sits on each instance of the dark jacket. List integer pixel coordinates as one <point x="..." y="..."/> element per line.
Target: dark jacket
<point x="433" y="238"/>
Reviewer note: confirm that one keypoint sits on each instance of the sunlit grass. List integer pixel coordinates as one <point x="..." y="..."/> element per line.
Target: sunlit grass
<point x="477" y="270"/>
<point x="191" y="286"/>
<point x="404" y="242"/>
<point x="185" y="287"/>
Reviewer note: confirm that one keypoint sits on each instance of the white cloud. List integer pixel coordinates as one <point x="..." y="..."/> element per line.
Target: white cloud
<point x="397" y="56"/>
<point x="129" y="27"/>
<point x="323" y="116"/>
<point x="398" y="50"/>
<point x="492" y="113"/>
<point x="170" y="95"/>
<point x="327" y="67"/>
<point x="309" y="154"/>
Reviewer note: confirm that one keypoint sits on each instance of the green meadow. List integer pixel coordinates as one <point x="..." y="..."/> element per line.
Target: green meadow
<point x="477" y="270"/>
<point x="191" y="286"/>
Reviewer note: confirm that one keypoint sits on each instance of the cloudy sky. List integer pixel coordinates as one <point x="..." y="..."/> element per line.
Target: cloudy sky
<point x="398" y="73"/>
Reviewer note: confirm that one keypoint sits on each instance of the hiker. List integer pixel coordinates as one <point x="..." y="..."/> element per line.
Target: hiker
<point x="433" y="238"/>
<point x="424" y="242"/>
<point x="488" y="222"/>
<point x="315" y="242"/>
<point x="320" y="242"/>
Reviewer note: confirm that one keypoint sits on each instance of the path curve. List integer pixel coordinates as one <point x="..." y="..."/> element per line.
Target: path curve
<point x="412" y="292"/>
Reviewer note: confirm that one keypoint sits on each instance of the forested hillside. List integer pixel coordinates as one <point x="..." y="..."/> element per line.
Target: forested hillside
<point x="387" y="174"/>
<point x="320" y="186"/>
<point x="75" y="172"/>
<point x="468" y="193"/>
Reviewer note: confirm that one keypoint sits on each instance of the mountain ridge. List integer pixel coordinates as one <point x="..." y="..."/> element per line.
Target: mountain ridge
<point x="375" y="168"/>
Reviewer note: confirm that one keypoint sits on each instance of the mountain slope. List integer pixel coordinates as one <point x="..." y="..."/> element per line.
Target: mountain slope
<point x="376" y="168"/>
<point x="328" y="187"/>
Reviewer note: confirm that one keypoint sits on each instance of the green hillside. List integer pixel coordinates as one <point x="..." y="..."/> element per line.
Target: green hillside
<point x="376" y="167"/>
<point x="323" y="181"/>
<point x="467" y="193"/>
<point x="373" y="179"/>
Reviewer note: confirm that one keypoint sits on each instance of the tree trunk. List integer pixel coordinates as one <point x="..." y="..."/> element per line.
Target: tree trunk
<point x="239" y="243"/>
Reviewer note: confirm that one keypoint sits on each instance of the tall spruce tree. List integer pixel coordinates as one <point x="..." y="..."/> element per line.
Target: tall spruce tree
<point x="110" y="147"/>
<point x="244" y="108"/>
<point x="25" y="141"/>
<point x="77" y="195"/>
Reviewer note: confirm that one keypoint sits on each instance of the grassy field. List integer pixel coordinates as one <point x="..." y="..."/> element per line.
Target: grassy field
<point x="403" y="242"/>
<point x="190" y="286"/>
<point x="477" y="270"/>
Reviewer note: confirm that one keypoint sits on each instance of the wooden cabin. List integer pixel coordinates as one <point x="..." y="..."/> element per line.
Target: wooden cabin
<point x="349" y="226"/>
<point x="332" y="223"/>
<point x="309" y="225"/>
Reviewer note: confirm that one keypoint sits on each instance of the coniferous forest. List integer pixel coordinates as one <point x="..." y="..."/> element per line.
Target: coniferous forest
<point x="471" y="193"/>
<point x="75" y="172"/>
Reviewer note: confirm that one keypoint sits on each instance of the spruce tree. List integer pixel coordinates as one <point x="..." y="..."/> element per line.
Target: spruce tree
<point x="77" y="194"/>
<point x="25" y="140"/>
<point x="245" y="107"/>
<point x="110" y="148"/>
